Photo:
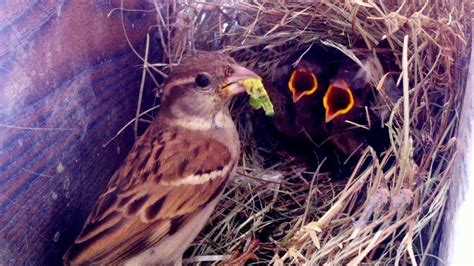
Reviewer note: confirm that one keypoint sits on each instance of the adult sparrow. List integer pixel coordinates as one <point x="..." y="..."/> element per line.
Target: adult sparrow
<point x="160" y="198"/>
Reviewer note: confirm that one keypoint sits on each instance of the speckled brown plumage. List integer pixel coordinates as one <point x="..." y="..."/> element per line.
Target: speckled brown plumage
<point x="159" y="199"/>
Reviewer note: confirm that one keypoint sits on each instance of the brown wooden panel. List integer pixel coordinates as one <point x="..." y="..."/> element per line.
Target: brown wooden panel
<point x="68" y="82"/>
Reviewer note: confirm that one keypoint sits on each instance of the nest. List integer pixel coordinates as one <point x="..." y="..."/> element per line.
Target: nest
<point x="281" y="212"/>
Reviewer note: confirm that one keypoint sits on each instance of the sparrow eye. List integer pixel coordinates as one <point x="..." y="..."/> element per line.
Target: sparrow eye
<point x="202" y="81"/>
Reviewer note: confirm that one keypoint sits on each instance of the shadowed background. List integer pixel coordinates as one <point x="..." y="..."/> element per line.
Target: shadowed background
<point x="68" y="82"/>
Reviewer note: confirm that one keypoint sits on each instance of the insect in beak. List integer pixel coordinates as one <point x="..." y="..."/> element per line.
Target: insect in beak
<point x="232" y="85"/>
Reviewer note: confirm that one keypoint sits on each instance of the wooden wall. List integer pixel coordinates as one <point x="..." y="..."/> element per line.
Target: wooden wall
<point x="68" y="82"/>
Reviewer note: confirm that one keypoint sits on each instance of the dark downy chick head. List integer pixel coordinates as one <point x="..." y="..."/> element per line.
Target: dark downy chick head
<point x="203" y="84"/>
<point x="304" y="80"/>
<point x="350" y="87"/>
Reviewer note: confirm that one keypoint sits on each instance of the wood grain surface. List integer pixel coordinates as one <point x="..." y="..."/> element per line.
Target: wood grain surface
<point x="68" y="82"/>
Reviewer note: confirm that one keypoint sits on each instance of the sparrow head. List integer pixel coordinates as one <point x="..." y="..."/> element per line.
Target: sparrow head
<point x="302" y="82"/>
<point x="202" y="84"/>
<point x="338" y="99"/>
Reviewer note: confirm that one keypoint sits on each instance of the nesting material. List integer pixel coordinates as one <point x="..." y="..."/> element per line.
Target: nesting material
<point x="389" y="210"/>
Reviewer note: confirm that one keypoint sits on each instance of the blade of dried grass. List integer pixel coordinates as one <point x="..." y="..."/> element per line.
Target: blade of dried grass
<point x="142" y="85"/>
<point x="405" y="157"/>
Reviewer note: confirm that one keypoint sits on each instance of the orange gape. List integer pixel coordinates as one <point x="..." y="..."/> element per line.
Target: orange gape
<point x="338" y="100"/>
<point x="302" y="82"/>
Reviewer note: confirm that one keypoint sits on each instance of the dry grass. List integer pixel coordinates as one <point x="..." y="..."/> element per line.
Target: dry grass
<point x="384" y="212"/>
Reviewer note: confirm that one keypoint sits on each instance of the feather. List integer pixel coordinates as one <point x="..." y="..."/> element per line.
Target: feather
<point x="160" y="185"/>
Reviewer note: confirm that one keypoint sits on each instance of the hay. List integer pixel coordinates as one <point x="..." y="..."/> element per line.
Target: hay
<point x="276" y="211"/>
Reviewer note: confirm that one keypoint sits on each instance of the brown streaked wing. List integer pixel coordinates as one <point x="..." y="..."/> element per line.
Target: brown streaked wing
<point x="147" y="199"/>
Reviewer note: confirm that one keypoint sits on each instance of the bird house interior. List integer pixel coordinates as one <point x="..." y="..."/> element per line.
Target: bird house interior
<point x="353" y="167"/>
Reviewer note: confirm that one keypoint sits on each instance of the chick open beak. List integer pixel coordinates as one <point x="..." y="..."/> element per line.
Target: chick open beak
<point x="296" y="96"/>
<point x="338" y="100"/>
<point x="232" y="83"/>
<point x="302" y="82"/>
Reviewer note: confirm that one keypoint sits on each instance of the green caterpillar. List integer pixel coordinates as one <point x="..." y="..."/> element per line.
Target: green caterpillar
<point x="258" y="95"/>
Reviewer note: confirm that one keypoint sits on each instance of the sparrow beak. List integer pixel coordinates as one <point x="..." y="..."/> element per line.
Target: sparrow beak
<point x="338" y="100"/>
<point x="302" y="82"/>
<point x="232" y="83"/>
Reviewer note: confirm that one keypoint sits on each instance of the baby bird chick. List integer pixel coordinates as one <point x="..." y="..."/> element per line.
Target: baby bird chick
<point x="297" y="93"/>
<point x="348" y="101"/>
